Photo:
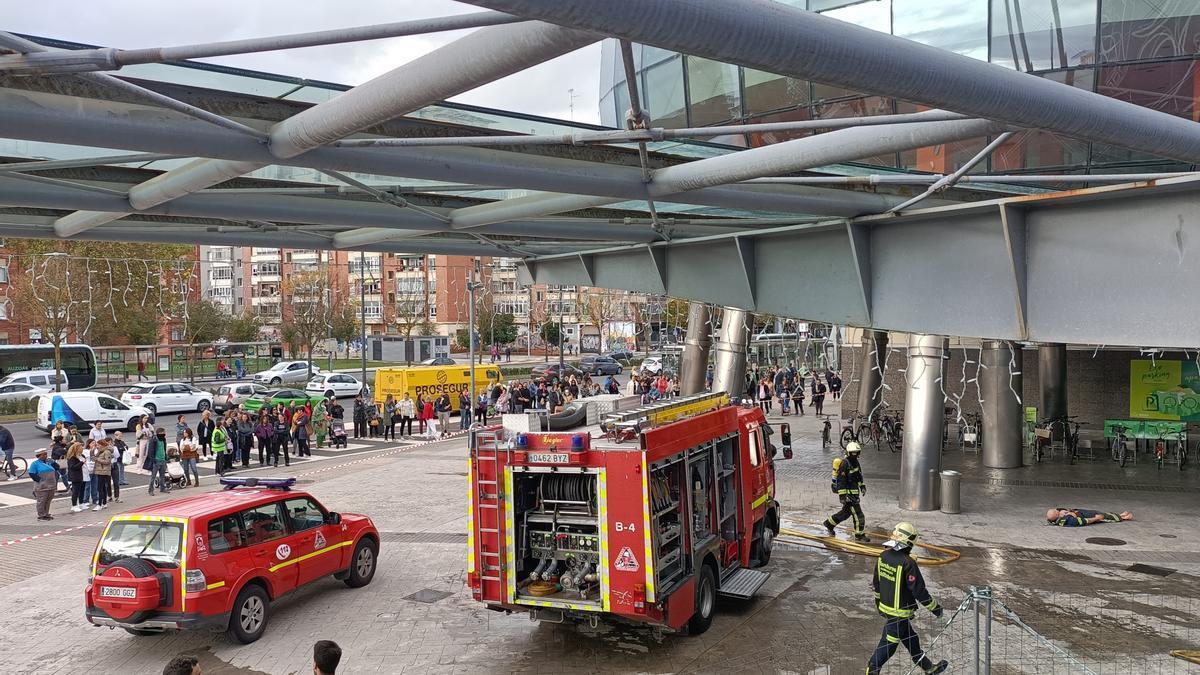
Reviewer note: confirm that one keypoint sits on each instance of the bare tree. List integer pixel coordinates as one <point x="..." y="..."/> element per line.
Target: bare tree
<point x="307" y="309"/>
<point x="600" y="306"/>
<point x="411" y="309"/>
<point x="52" y="297"/>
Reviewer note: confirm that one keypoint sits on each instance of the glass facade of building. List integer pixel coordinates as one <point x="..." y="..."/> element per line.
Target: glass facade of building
<point x="1141" y="51"/>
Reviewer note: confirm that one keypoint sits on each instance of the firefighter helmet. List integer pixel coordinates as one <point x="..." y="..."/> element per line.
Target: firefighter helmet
<point x="853" y="448"/>
<point x="905" y="534"/>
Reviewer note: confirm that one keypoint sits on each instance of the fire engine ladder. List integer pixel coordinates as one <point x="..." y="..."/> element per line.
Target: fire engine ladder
<point x="665" y="412"/>
<point x="490" y="460"/>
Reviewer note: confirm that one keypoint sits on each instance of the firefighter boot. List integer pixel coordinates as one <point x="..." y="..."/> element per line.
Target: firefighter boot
<point x="829" y="527"/>
<point x="859" y="536"/>
<point x="939" y="668"/>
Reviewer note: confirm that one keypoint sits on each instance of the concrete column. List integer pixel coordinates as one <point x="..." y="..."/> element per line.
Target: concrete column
<point x="694" y="365"/>
<point x="924" y="419"/>
<point x="729" y="371"/>
<point x="1002" y="413"/>
<point x="1052" y="376"/>
<point x="874" y="352"/>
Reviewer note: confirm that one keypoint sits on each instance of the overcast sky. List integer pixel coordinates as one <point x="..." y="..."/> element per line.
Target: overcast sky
<point x="154" y="23"/>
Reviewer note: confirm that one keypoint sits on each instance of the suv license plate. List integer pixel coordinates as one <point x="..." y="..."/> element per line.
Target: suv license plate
<point x="116" y="592"/>
<point x="548" y="458"/>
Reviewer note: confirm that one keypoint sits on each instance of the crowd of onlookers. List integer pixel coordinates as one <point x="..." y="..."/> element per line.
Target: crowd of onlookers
<point x="786" y="385"/>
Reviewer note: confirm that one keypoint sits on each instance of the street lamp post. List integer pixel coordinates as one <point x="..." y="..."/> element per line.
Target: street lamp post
<point x="471" y="288"/>
<point x="362" y="310"/>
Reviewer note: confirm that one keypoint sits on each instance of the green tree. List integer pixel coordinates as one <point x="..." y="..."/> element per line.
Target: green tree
<point x="50" y="297"/>
<point x="549" y="333"/>
<point x="345" y="322"/>
<point x="203" y="322"/>
<point x="244" y="328"/>
<point x="497" y="329"/>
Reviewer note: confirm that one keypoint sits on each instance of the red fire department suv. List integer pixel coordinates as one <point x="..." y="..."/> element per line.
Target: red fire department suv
<point x="218" y="559"/>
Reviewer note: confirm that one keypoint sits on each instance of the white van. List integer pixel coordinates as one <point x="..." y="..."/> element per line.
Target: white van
<point x="37" y="378"/>
<point x="84" y="408"/>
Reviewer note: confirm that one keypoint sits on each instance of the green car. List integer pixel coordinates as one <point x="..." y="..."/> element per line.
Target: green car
<point x="273" y="397"/>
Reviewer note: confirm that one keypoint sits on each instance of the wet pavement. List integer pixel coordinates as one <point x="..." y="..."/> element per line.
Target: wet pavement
<point x="813" y="616"/>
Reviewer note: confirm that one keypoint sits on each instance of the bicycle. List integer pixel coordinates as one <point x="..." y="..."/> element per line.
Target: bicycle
<point x="20" y="467"/>
<point x="892" y="425"/>
<point x="1160" y="449"/>
<point x="1071" y="440"/>
<point x="825" y="439"/>
<point x="1120" y="445"/>
<point x="1181" y="450"/>
<point x="852" y="430"/>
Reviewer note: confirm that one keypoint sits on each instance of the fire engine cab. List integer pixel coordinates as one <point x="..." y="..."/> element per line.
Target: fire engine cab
<point x="646" y="517"/>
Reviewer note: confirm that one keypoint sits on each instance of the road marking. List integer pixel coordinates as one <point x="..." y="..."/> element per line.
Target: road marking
<point x="7" y="500"/>
<point x="10" y="542"/>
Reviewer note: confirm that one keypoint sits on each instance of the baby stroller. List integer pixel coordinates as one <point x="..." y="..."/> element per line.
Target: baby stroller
<point x="175" y="475"/>
<point x="337" y="429"/>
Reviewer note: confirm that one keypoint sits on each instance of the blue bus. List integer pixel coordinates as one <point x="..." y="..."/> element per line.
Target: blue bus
<point x="78" y="362"/>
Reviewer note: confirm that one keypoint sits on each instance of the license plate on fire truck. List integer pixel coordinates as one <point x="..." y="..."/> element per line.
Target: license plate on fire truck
<point x="117" y="592"/>
<point x="548" y="458"/>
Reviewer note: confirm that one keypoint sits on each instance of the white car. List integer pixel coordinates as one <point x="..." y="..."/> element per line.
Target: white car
<point x="84" y="408"/>
<point x="38" y="378"/>
<point x="339" y="385"/>
<point x="19" y="391"/>
<point x="286" y="372"/>
<point x="652" y="364"/>
<point x="168" y="397"/>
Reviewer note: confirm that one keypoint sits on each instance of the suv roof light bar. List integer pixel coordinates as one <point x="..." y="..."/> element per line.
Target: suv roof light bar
<point x="284" y="484"/>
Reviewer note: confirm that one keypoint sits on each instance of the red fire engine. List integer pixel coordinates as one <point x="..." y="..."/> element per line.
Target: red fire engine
<point x="647" y="517"/>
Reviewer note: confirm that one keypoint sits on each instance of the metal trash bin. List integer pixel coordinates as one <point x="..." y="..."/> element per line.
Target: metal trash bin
<point x="951" y="492"/>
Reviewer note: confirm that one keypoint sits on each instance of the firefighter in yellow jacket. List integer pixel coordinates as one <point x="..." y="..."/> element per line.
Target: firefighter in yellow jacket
<point x="848" y="484"/>
<point x="899" y="588"/>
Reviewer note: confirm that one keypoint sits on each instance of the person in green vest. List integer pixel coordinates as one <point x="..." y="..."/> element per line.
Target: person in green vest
<point x="220" y="438"/>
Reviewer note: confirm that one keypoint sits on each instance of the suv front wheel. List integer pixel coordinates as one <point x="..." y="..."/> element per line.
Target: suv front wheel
<point x="248" y="620"/>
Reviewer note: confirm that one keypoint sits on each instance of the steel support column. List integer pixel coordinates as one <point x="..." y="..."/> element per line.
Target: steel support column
<point x="694" y="366"/>
<point x="1000" y="388"/>
<point x="729" y="371"/>
<point x="870" y="379"/>
<point x="924" y="420"/>
<point x="1052" y="378"/>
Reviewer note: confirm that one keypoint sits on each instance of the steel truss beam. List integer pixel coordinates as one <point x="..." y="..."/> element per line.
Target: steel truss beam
<point x="107" y="58"/>
<point x="774" y="37"/>
<point x="1082" y="267"/>
<point x="323" y="211"/>
<point x="39" y="116"/>
<point x="447" y="71"/>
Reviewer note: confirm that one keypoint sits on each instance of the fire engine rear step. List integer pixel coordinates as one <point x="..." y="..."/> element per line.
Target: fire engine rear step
<point x="743" y="584"/>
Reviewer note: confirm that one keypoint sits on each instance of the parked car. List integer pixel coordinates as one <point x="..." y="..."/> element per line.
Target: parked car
<point x="230" y="396"/>
<point x="339" y="385"/>
<point x="273" y="397"/>
<point x="438" y="361"/>
<point x="218" y="559"/>
<point x="621" y="355"/>
<point x="652" y="364"/>
<point x="84" y="408"/>
<point x="38" y="378"/>
<point x="168" y="397"/>
<point x="286" y="372"/>
<point x="552" y="371"/>
<point x="20" y="391"/>
<point x="600" y="365"/>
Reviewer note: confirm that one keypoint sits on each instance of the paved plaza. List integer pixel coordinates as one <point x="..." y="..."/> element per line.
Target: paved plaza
<point x="814" y="615"/>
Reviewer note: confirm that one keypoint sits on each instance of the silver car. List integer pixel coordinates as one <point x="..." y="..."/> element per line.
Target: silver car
<point x="20" y="391"/>
<point x="230" y="396"/>
<point x="286" y="372"/>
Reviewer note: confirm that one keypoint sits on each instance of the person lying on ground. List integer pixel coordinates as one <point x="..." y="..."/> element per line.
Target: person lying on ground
<point x="1082" y="517"/>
